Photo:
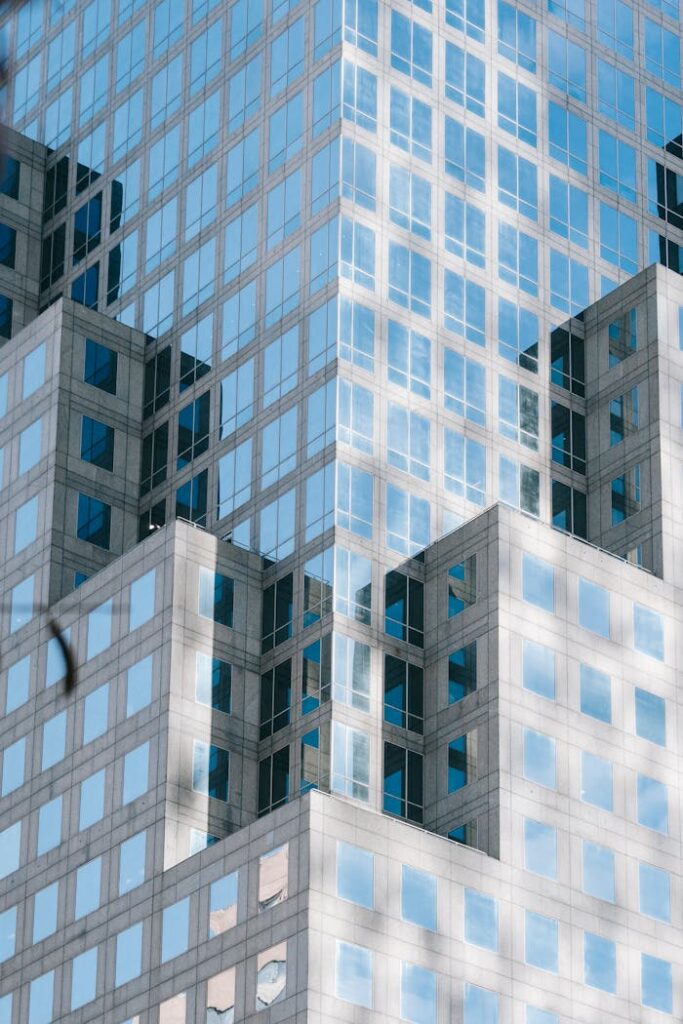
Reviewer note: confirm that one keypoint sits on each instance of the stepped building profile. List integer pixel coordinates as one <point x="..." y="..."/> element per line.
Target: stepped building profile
<point x="341" y="440"/>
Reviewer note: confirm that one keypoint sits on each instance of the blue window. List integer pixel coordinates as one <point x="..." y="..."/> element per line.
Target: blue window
<point x="286" y="57"/>
<point x="538" y="582"/>
<point x="664" y="119"/>
<point x="653" y="804"/>
<point x="615" y="26"/>
<point x="568" y="283"/>
<point x="464" y="384"/>
<point x="94" y="521"/>
<point x="464" y="307"/>
<point x="411" y="125"/>
<point x="518" y="335"/>
<point x="540" y="943"/>
<point x="516" y="36"/>
<point x="650" y="716"/>
<point x="616" y="94"/>
<point x="465" y="79"/>
<point x="573" y="11"/>
<point x="407" y="521"/>
<point x="655" y="892"/>
<point x="356" y="333"/>
<point x="656" y="988"/>
<point x="465" y="228"/>
<point x="618" y="239"/>
<point x="325" y="177"/>
<point x="246" y="25"/>
<point x="467" y="16"/>
<point x="617" y="164"/>
<point x="97" y="443"/>
<point x="360" y="24"/>
<point x="285" y="135"/>
<point x="326" y="99"/>
<point x="596" y="781"/>
<point x="538" y="669"/>
<point x="594" y="607"/>
<point x="518" y="258"/>
<point x="409" y="359"/>
<point x="410" y="279"/>
<point x="408" y="441"/>
<point x="648" y="632"/>
<point x="360" y="96"/>
<point x="567" y="66"/>
<point x="411" y="48"/>
<point x="358" y="253"/>
<point x="464" y="467"/>
<point x="516" y="109"/>
<point x="410" y="201"/>
<point x="243" y="167"/>
<point x="540" y="848"/>
<point x="596" y="694"/>
<point x="662" y="53"/>
<point x="244" y="93"/>
<point x="568" y="211"/>
<point x="567" y="138"/>
<point x="465" y="154"/>
<point x="359" y="173"/>
<point x="598" y="871"/>
<point x="481" y="920"/>
<point x="517" y="185"/>
<point x="599" y="962"/>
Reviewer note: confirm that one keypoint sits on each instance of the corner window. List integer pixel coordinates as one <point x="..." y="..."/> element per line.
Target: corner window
<point x="462" y="672"/>
<point x="462" y="585"/>
<point x="215" y="596"/>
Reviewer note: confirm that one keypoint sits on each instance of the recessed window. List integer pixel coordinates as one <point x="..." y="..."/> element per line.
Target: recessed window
<point x="83" y="978"/>
<point x="210" y="770"/>
<point x="462" y="761"/>
<point x="538" y="669"/>
<point x="353" y="974"/>
<point x="213" y="683"/>
<point x="45" y="912"/>
<point x="540" y="848"/>
<point x="175" y="924"/>
<point x="596" y="781"/>
<point x="94" y="521"/>
<point x="598" y="871"/>
<point x="594" y="607"/>
<point x="462" y="672"/>
<point x="418" y="897"/>
<point x="538" y="582"/>
<point x="418" y="994"/>
<point x="88" y="884"/>
<point x="223" y="904"/>
<point x="648" y="632"/>
<point x="135" y="773"/>
<point x="128" y="955"/>
<point x="653" y="804"/>
<point x="596" y="694"/>
<point x="271" y="975"/>
<point x="273" y="885"/>
<point x="655" y="892"/>
<point x="215" y="596"/>
<point x="650" y="716"/>
<point x="142" y="599"/>
<point x="95" y="713"/>
<point x="656" y="988"/>
<point x="92" y="800"/>
<point x="481" y="920"/>
<point x="541" y="942"/>
<point x="8" y="935"/>
<point x="97" y="443"/>
<point x="599" y="962"/>
<point x="462" y="585"/>
<point x="355" y="875"/>
<point x="539" y="758"/>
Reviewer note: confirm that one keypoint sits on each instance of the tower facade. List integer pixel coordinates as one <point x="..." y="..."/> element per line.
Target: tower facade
<point x="339" y="435"/>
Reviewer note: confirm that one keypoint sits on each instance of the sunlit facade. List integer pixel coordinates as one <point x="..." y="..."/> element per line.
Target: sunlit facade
<point x="340" y="433"/>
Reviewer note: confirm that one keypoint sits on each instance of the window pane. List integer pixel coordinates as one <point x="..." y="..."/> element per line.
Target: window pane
<point x="418" y="897"/>
<point x="355" y="875"/>
<point x="353" y="974"/>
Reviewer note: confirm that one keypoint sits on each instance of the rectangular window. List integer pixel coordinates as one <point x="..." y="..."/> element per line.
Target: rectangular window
<point x="464" y="307"/>
<point x="653" y="804"/>
<point x="210" y="770"/>
<point x="276" y="698"/>
<point x="410" y="279"/>
<point x="404" y="608"/>
<point x="465" y="79"/>
<point x="465" y="227"/>
<point x="566" y="66"/>
<point x="360" y="96"/>
<point x="462" y="672"/>
<point x="567" y="138"/>
<point x="626" y="495"/>
<point x="516" y="109"/>
<point x="353" y="974"/>
<point x="464" y="387"/>
<point x="418" y="897"/>
<point x="518" y="413"/>
<point x="516" y="36"/>
<point x="403" y="694"/>
<point x="568" y="283"/>
<point x="518" y="258"/>
<point x="411" y="48"/>
<point x="462" y="761"/>
<point x="517" y="183"/>
<point x="402" y="782"/>
<point x="465" y="152"/>
<point x="617" y="163"/>
<point x="464" y="466"/>
<point x="410" y="125"/>
<point x="616" y="94"/>
<point x="350" y="762"/>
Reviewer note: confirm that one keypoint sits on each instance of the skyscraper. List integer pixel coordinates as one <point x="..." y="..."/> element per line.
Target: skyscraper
<point x="343" y="445"/>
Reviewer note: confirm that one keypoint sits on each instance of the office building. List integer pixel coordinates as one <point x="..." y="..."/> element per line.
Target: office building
<point x="340" y="435"/>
